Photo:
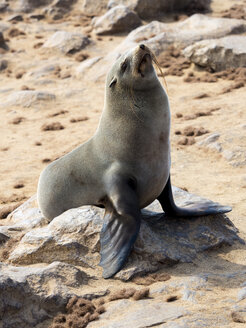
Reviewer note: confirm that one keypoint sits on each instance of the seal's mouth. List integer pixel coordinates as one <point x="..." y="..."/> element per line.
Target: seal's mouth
<point x="146" y="59"/>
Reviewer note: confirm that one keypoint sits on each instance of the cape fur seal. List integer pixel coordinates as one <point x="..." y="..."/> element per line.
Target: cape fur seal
<point x="125" y="165"/>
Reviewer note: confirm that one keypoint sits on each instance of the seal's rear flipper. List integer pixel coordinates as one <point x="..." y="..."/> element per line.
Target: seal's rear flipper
<point x="117" y="239"/>
<point x="193" y="209"/>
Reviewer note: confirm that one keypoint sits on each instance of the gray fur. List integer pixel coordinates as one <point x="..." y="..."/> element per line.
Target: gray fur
<point x="132" y="139"/>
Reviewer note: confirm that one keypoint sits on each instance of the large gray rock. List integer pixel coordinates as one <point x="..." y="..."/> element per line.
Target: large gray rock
<point x="86" y="65"/>
<point x="119" y="19"/>
<point x="73" y="237"/>
<point x="231" y="144"/>
<point x="219" y="54"/>
<point x="159" y="36"/>
<point x="30" y="295"/>
<point x="28" y="98"/>
<point x="94" y="8"/>
<point x="67" y="42"/>
<point x="155" y="8"/>
<point x="141" y="314"/>
<point x="29" y="5"/>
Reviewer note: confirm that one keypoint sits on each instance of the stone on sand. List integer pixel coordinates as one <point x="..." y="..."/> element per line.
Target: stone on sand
<point x="67" y="42"/>
<point x="29" y="295"/>
<point x="73" y="237"/>
<point x="94" y="8"/>
<point x="119" y="19"/>
<point x="159" y="36"/>
<point x="150" y="9"/>
<point x="28" y="98"/>
<point x="219" y="54"/>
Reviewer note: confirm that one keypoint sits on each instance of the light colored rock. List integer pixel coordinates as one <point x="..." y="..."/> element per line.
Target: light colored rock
<point x="94" y="8"/>
<point x="28" y="98"/>
<point x="29" y="5"/>
<point x="158" y="36"/>
<point x="211" y="138"/>
<point x="211" y="142"/>
<point x="85" y="65"/>
<point x="29" y="295"/>
<point x="67" y="42"/>
<point x="241" y="294"/>
<point x="156" y="8"/>
<point x="141" y="314"/>
<point x="58" y="9"/>
<point x="219" y="54"/>
<point x="3" y="6"/>
<point x="43" y="70"/>
<point x="119" y="19"/>
<point x="73" y="237"/>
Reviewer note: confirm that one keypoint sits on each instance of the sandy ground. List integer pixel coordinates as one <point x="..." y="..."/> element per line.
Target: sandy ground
<point x="25" y="149"/>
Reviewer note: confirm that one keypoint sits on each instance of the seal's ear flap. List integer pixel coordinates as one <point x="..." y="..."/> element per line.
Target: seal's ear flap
<point x="113" y="82"/>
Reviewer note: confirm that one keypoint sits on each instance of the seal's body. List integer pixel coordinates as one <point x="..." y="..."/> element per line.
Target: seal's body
<point x="125" y="165"/>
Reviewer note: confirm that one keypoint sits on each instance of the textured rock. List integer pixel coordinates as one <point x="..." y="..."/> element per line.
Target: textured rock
<point x="219" y="54"/>
<point x="67" y="42"/>
<point x="144" y="313"/>
<point x="29" y="5"/>
<point x="3" y="44"/>
<point x="159" y="36"/>
<point x="211" y="142"/>
<point x="117" y="20"/>
<point x="30" y="295"/>
<point x="94" y="8"/>
<point x="85" y="65"/>
<point x="155" y="8"/>
<point x="73" y="237"/>
<point x="3" y="7"/>
<point x="3" y="64"/>
<point x="3" y="238"/>
<point x="28" y="98"/>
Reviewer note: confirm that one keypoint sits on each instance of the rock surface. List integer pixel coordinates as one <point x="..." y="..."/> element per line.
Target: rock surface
<point x="67" y="42"/>
<point x="30" y="295"/>
<point x="159" y="36"/>
<point x="149" y="8"/>
<point x="219" y="54"/>
<point x="117" y="20"/>
<point x="94" y="8"/>
<point x="57" y="260"/>
<point x="28" y="98"/>
<point x="73" y="237"/>
<point x="29" y="5"/>
<point x="142" y="314"/>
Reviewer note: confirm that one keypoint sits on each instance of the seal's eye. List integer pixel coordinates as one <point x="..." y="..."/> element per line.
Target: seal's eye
<point x="113" y="82"/>
<point x="123" y="66"/>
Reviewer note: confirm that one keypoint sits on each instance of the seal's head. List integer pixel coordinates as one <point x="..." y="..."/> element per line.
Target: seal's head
<point x="133" y="70"/>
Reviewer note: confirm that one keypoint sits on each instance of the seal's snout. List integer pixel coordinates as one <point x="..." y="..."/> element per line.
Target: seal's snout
<point x="142" y="46"/>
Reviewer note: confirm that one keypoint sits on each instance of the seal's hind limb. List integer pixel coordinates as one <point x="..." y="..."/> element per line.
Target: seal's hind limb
<point x="121" y="225"/>
<point x="196" y="209"/>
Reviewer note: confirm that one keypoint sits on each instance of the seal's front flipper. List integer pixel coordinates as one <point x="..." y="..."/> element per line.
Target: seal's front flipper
<point x="117" y="239"/>
<point x="121" y="226"/>
<point x="193" y="209"/>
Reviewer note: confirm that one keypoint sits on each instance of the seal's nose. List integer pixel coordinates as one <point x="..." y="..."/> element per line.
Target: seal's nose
<point x="142" y="46"/>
